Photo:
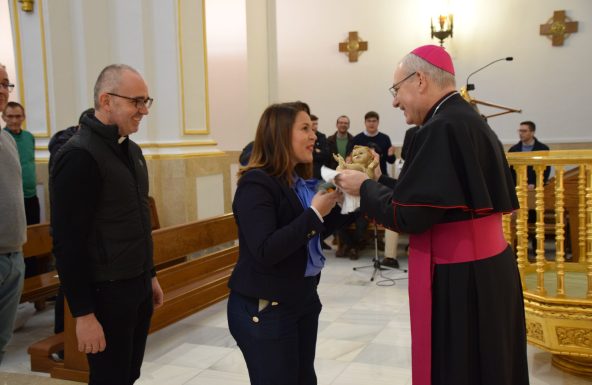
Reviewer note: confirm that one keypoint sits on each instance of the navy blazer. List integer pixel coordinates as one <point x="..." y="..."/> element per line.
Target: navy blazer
<point x="530" y="173"/>
<point x="273" y="231"/>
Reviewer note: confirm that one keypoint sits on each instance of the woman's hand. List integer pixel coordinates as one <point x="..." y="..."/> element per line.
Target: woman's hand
<point x="324" y="201"/>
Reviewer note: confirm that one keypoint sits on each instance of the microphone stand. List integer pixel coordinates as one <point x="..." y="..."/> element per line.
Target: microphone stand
<point x="378" y="268"/>
<point x="471" y="87"/>
<point x="464" y="92"/>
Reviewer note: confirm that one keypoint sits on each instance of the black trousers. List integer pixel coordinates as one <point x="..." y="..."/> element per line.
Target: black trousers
<point x="32" y="210"/>
<point x="32" y="213"/>
<point x="278" y="342"/>
<point x="358" y="236"/>
<point x="124" y="309"/>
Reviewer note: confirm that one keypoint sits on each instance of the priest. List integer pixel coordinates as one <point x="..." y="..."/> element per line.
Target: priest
<point x="466" y="305"/>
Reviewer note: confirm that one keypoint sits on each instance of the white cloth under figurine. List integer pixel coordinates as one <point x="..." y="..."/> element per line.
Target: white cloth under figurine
<point x="350" y="202"/>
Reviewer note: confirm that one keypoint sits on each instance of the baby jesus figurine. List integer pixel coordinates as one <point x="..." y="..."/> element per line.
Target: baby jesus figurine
<point x="361" y="160"/>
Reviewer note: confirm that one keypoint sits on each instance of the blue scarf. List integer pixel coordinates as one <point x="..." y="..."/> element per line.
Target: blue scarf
<point x="305" y="190"/>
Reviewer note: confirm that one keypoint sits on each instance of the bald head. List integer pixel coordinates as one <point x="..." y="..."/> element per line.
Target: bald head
<point x="109" y="80"/>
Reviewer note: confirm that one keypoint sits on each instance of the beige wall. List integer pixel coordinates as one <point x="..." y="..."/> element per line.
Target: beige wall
<point x="186" y="188"/>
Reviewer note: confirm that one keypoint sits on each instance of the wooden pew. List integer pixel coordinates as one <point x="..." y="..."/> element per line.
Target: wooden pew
<point x="45" y="285"/>
<point x="39" y="245"/>
<point x="189" y="286"/>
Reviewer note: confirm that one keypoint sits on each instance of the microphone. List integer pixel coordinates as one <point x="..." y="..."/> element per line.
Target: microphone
<point x="471" y="87"/>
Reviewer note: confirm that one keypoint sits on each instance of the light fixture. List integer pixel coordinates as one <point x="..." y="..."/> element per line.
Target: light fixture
<point x="27" y="5"/>
<point x="444" y="28"/>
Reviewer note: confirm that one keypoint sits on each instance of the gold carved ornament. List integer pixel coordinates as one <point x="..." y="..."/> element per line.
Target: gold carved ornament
<point x="558" y="28"/>
<point x="353" y="46"/>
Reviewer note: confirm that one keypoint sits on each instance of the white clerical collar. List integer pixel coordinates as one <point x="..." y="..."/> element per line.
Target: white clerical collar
<point x="121" y="139"/>
<point x="443" y="100"/>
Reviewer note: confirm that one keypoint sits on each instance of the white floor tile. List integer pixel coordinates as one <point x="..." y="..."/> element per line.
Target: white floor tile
<point x="364" y="338"/>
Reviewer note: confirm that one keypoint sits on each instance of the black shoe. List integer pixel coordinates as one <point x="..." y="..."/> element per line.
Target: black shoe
<point x="341" y="251"/>
<point x="325" y="246"/>
<point x="390" y="262"/>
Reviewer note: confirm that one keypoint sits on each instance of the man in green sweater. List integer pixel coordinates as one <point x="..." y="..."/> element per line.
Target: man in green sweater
<point x="14" y="116"/>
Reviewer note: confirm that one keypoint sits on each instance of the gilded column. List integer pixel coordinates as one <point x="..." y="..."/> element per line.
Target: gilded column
<point x="521" y="230"/>
<point x="589" y="228"/>
<point x="560" y="230"/>
<point x="540" y="228"/>
<point x="582" y="215"/>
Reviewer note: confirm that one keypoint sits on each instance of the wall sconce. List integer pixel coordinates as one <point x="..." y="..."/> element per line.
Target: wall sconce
<point x="444" y="30"/>
<point x="27" y="5"/>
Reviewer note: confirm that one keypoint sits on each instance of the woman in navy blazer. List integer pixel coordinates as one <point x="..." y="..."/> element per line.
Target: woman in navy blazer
<point x="273" y="308"/>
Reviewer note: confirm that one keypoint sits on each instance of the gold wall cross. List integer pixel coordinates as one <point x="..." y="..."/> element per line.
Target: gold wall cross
<point x="558" y="28"/>
<point x="353" y="46"/>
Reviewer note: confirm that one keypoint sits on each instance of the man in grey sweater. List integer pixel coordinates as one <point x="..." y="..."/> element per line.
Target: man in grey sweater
<point x="13" y="228"/>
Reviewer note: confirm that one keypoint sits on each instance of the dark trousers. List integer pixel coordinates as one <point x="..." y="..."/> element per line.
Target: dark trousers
<point x="124" y="309"/>
<point x="358" y="236"/>
<point x="278" y="342"/>
<point x="58" y="312"/>
<point x="32" y="210"/>
<point x="32" y="213"/>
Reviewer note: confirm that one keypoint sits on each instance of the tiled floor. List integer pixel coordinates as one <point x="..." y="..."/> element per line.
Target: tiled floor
<point x="363" y="339"/>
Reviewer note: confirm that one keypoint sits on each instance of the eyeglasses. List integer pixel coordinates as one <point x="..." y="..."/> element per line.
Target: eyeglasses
<point x="139" y="102"/>
<point x="7" y="86"/>
<point x="395" y="88"/>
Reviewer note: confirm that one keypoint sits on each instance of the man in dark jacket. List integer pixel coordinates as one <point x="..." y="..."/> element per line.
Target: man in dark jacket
<point x="102" y="240"/>
<point x="55" y="143"/>
<point x="528" y="142"/>
<point x="321" y="152"/>
<point x="339" y="142"/>
<point x="61" y="137"/>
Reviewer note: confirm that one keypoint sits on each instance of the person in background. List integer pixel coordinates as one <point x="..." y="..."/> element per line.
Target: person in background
<point x="13" y="225"/>
<point x="273" y="307"/>
<point x="320" y="153"/>
<point x="379" y="141"/>
<point x="61" y="137"/>
<point x="55" y="143"/>
<point x="381" y="144"/>
<point x="14" y="116"/>
<point x="339" y="142"/>
<point x="528" y="142"/>
<point x="465" y="295"/>
<point x="245" y="154"/>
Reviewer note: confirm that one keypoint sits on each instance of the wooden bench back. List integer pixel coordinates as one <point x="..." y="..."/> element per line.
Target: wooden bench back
<point x="174" y="242"/>
<point x="38" y="240"/>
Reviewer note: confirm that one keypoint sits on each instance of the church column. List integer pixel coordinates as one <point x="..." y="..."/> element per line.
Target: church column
<point x="32" y="80"/>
